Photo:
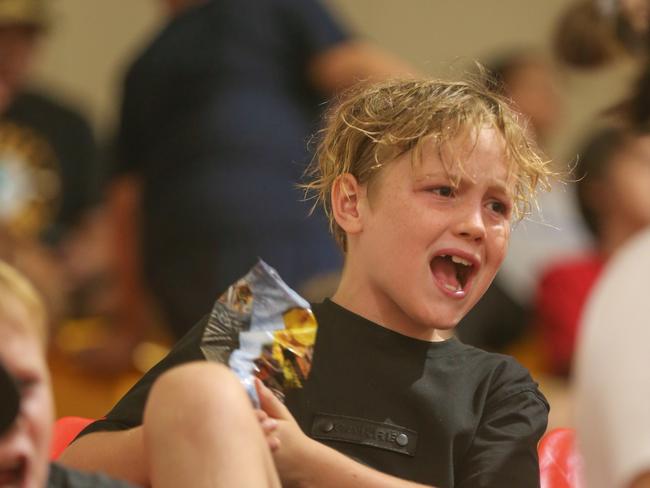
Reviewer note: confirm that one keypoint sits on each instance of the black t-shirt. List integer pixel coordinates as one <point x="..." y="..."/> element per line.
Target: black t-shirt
<point x="440" y="413"/>
<point x="48" y="158"/>
<point x="63" y="477"/>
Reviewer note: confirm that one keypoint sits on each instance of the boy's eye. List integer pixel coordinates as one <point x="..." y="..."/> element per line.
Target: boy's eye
<point x="443" y="191"/>
<point x="499" y="207"/>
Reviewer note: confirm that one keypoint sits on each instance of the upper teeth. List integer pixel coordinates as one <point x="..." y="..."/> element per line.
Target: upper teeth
<point x="459" y="260"/>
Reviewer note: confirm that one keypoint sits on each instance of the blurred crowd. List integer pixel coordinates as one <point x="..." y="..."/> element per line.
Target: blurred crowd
<point x="131" y="239"/>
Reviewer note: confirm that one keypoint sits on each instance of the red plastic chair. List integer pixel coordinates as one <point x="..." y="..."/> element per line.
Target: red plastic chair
<point x="65" y="430"/>
<point x="559" y="461"/>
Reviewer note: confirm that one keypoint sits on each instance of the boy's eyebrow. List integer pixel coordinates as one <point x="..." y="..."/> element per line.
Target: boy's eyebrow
<point x="493" y="184"/>
<point x="502" y="187"/>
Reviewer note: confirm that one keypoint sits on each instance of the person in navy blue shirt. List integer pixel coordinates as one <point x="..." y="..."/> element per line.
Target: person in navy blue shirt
<point x="216" y="116"/>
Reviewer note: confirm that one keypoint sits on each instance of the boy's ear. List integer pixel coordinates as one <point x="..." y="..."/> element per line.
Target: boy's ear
<point x="347" y="195"/>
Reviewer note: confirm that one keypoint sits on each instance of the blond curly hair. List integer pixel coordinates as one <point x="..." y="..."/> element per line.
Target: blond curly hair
<point x="372" y="124"/>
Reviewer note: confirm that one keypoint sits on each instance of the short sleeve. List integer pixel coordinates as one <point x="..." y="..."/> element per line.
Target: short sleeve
<point x="311" y="26"/>
<point x="504" y="449"/>
<point x="128" y="412"/>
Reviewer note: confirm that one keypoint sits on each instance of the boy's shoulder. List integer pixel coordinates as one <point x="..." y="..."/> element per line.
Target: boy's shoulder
<point x="502" y="375"/>
<point x="492" y="376"/>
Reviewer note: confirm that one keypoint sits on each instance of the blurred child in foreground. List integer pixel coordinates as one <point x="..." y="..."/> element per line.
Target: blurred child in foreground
<point x="27" y="414"/>
<point x="25" y="445"/>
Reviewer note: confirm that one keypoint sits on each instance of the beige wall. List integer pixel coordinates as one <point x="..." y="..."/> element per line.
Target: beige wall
<point x="93" y="40"/>
<point x="435" y="33"/>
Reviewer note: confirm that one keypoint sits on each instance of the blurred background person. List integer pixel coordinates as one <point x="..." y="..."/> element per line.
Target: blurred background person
<point x="52" y="225"/>
<point x="215" y="119"/>
<point x="593" y="33"/>
<point x="610" y="374"/>
<point x="48" y="166"/>
<point x="612" y="377"/>
<point x="613" y="192"/>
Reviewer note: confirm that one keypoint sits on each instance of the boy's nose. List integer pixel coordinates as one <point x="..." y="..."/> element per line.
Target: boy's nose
<point x="471" y="225"/>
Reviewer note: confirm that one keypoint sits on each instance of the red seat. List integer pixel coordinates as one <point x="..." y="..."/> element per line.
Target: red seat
<point x="65" y="430"/>
<point x="559" y="461"/>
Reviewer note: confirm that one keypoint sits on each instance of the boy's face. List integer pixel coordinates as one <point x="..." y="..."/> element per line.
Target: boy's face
<point x="24" y="448"/>
<point x="426" y="252"/>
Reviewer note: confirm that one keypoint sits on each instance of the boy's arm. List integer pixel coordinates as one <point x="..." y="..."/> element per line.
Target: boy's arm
<point x="119" y="454"/>
<point x="304" y="462"/>
<point x="323" y="466"/>
<point x="352" y="61"/>
<point x="332" y="59"/>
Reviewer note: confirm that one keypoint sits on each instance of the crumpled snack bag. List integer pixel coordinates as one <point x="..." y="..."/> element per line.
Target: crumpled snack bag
<point x="262" y="328"/>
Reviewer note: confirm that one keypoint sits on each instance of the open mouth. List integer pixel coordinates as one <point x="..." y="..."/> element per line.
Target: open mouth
<point x="453" y="273"/>
<point x="12" y="474"/>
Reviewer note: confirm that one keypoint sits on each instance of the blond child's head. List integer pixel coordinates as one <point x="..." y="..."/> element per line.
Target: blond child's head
<point x="374" y="123"/>
<point x="24" y="447"/>
<point x="397" y="160"/>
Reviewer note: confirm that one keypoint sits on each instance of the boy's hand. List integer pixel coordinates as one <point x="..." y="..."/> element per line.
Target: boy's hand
<point x="293" y="446"/>
<point x="302" y="461"/>
<point x="268" y="426"/>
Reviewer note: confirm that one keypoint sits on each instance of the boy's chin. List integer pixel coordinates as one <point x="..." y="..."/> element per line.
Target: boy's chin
<point x="443" y="327"/>
<point x="447" y="326"/>
<point x="448" y="321"/>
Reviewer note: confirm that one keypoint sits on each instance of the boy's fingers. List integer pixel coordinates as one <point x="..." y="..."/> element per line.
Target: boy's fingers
<point x="270" y="404"/>
<point x="269" y="425"/>
<point x="273" y="443"/>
